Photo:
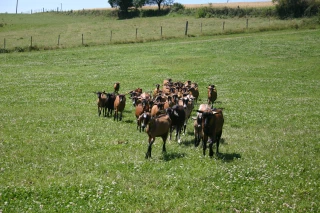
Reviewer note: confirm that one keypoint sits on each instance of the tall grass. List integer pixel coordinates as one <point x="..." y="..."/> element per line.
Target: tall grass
<point x="58" y="155"/>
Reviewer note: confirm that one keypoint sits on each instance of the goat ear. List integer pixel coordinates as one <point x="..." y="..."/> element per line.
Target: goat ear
<point x="200" y="111"/>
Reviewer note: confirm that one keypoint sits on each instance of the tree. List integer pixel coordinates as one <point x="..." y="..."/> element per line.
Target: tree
<point x="159" y="2"/>
<point x="139" y="3"/>
<point x="292" y="8"/>
<point x="122" y="4"/>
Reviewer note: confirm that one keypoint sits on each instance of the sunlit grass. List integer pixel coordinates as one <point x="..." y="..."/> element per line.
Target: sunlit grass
<point x="56" y="31"/>
<point x="58" y="155"/>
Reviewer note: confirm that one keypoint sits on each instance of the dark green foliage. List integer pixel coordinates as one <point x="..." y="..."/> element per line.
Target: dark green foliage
<point x="208" y="12"/>
<point x="122" y="4"/>
<point x="19" y="49"/>
<point x="154" y="13"/>
<point x="177" y="7"/>
<point x="33" y="48"/>
<point x="2" y="50"/>
<point x="106" y="13"/>
<point x="296" y="8"/>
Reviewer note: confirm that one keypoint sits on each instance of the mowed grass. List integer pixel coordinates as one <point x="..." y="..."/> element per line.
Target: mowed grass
<point x="57" y="155"/>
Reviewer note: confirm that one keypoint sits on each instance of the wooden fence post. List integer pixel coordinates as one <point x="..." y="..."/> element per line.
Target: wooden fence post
<point x="31" y="42"/>
<point x="111" y="36"/>
<point x="161" y="31"/>
<point x="186" y="32"/>
<point x="247" y="23"/>
<point x="223" y="26"/>
<point x="136" y="33"/>
<point x="201" y="27"/>
<point x="4" y="43"/>
<point x="59" y="40"/>
<point x="82" y="38"/>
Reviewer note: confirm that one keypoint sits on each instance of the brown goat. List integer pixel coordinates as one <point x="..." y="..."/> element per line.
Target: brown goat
<point x="212" y="123"/>
<point x="143" y="120"/>
<point x="195" y="93"/>
<point x="197" y="124"/>
<point x="167" y="82"/>
<point x="157" y="109"/>
<point x="102" y="103"/>
<point x="156" y="90"/>
<point x="188" y="105"/>
<point x="116" y="87"/>
<point x="119" y="105"/>
<point x="168" y="103"/>
<point x="140" y="109"/>
<point x="110" y="103"/>
<point x="138" y="90"/>
<point x="177" y="116"/>
<point x="212" y="94"/>
<point x="158" y="127"/>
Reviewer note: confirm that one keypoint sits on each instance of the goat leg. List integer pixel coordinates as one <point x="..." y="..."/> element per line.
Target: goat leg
<point x="148" y="154"/>
<point x="210" y="147"/>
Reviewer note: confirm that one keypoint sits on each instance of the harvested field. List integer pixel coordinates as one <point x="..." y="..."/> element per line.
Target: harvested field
<point x="232" y="4"/>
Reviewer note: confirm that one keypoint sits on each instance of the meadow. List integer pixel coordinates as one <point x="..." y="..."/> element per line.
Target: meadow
<point x="57" y="155"/>
<point x="47" y="31"/>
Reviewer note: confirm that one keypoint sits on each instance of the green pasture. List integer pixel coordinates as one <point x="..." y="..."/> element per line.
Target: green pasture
<point x="57" y="155"/>
<point x="56" y="31"/>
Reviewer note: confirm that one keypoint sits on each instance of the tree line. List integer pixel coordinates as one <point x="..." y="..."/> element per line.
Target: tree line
<point x="124" y="5"/>
<point x="283" y="8"/>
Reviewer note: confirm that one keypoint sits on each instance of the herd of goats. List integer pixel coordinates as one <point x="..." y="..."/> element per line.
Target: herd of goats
<point x="166" y="109"/>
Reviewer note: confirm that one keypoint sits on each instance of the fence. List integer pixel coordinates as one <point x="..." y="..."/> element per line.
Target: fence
<point x="196" y="27"/>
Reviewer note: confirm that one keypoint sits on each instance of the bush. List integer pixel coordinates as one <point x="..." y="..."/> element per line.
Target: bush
<point x="19" y="49"/>
<point x="202" y="12"/>
<point x="153" y="13"/>
<point x="177" y="7"/>
<point x="33" y="48"/>
<point x="2" y="50"/>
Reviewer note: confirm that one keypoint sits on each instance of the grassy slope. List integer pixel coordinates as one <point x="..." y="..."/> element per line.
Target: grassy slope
<point x="45" y="29"/>
<point x="57" y="155"/>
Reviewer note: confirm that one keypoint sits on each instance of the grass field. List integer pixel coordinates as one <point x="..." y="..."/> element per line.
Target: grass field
<point x="57" y="31"/>
<point x="57" y="155"/>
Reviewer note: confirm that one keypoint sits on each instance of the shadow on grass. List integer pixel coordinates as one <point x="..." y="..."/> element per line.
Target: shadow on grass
<point x="172" y="155"/>
<point x="222" y="141"/>
<point x="187" y="142"/>
<point x="228" y="157"/>
<point x="129" y="121"/>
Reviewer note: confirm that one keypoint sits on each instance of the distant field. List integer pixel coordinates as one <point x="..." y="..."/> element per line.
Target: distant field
<point x="57" y="155"/>
<point x="233" y="4"/>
